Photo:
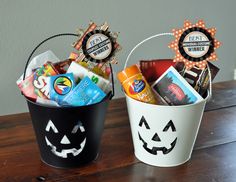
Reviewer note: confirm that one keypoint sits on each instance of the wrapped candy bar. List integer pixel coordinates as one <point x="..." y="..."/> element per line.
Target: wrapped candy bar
<point x="153" y="69"/>
<point x="37" y="62"/>
<point x="41" y="82"/>
<point x="36" y="85"/>
<point x="27" y="88"/>
<point x="41" y="59"/>
<point x="198" y="78"/>
<point x="62" y="66"/>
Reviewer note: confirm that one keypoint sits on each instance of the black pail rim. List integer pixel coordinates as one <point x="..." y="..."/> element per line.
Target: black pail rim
<point x="108" y="97"/>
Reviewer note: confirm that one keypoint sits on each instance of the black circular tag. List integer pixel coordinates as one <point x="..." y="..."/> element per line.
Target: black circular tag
<point x="196" y="44"/>
<point x="98" y="46"/>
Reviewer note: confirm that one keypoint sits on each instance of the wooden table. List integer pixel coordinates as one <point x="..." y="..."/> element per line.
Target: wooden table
<point x="213" y="158"/>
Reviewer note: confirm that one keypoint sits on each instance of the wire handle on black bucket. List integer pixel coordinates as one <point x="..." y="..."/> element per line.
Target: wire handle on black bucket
<point x="60" y="35"/>
<point x="167" y="34"/>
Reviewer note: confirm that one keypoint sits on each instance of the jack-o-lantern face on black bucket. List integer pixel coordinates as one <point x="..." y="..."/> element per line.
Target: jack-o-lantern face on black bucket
<point x="66" y="145"/>
<point x="151" y="140"/>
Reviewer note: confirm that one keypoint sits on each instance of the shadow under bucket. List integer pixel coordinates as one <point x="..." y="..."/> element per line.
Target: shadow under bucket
<point x="68" y="136"/>
<point x="164" y="135"/>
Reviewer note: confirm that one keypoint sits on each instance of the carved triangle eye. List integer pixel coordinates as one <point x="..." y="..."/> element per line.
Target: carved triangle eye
<point x="171" y="125"/>
<point x="78" y="126"/>
<point x="143" y="121"/>
<point x="51" y="126"/>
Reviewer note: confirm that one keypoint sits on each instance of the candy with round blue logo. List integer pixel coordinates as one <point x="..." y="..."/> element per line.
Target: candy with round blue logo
<point x="60" y="86"/>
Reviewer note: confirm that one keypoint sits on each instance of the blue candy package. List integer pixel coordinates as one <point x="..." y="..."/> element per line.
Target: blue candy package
<point x="60" y="86"/>
<point x="85" y="93"/>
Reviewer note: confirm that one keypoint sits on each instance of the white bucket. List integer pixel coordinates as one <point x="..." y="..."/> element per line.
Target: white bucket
<point x="164" y="135"/>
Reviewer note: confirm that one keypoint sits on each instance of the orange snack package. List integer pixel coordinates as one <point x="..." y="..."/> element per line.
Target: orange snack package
<point x="135" y="85"/>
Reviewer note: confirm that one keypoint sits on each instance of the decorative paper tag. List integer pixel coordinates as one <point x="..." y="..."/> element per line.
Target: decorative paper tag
<point x="194" y="44"/>
<point x="97" y="44"/>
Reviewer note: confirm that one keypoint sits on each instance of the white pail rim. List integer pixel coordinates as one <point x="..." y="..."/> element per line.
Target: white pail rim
<point x="177" y="106"/>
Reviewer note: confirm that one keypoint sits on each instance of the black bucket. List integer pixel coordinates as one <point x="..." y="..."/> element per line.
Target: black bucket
<point x="68" y="136"/>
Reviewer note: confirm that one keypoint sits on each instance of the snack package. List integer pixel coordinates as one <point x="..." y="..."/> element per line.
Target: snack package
<point x="196" y="77"/>
<point x="85" y="93"/>
<point x="60" y="86"/>
<point x="174" y="89"/>
<point x="73" y="55"/>
<point x="135" y="85"/>
<point x="80" y="72"/>
<point x="62" y="66"/>
<point x="27" y="88"/>
<point x="41" y="81"/>
<point x="153" y="69"/>
<point x="205" y="82"/>
<point x="37" y="62"/>
<point x="36" y="85"/>
<point x="102" y="69"/>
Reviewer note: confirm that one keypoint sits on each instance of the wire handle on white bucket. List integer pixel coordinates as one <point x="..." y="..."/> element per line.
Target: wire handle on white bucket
<point x="60" y="35"/>
<point x="168" y="34"/>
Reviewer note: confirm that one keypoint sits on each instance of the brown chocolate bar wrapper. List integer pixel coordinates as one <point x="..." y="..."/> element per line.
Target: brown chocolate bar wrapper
<point x="62" y="66"/>
<point x="197" y="78"/>
<point x="205" y="83"/>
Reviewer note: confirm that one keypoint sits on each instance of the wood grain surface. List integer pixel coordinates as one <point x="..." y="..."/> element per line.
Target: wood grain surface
<point x="213" y="158"/>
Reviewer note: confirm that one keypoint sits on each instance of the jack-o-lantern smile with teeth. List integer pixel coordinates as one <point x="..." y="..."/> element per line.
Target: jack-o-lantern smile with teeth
<point x="153" y="150"/>
<point x="66" y="147"/>
<point x="64" y="152"/>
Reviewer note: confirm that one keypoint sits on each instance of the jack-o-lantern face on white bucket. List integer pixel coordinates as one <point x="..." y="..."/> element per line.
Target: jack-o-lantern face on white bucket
<point x="64" y="145"/>
<point x="151" y="140"/>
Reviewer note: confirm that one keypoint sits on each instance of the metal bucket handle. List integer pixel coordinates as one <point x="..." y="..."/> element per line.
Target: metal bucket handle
<point x="60" y="35"/>
<point x="167" y="34"/>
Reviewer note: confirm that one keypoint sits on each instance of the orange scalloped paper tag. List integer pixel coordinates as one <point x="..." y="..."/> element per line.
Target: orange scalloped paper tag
<point x="194" y="44"/>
